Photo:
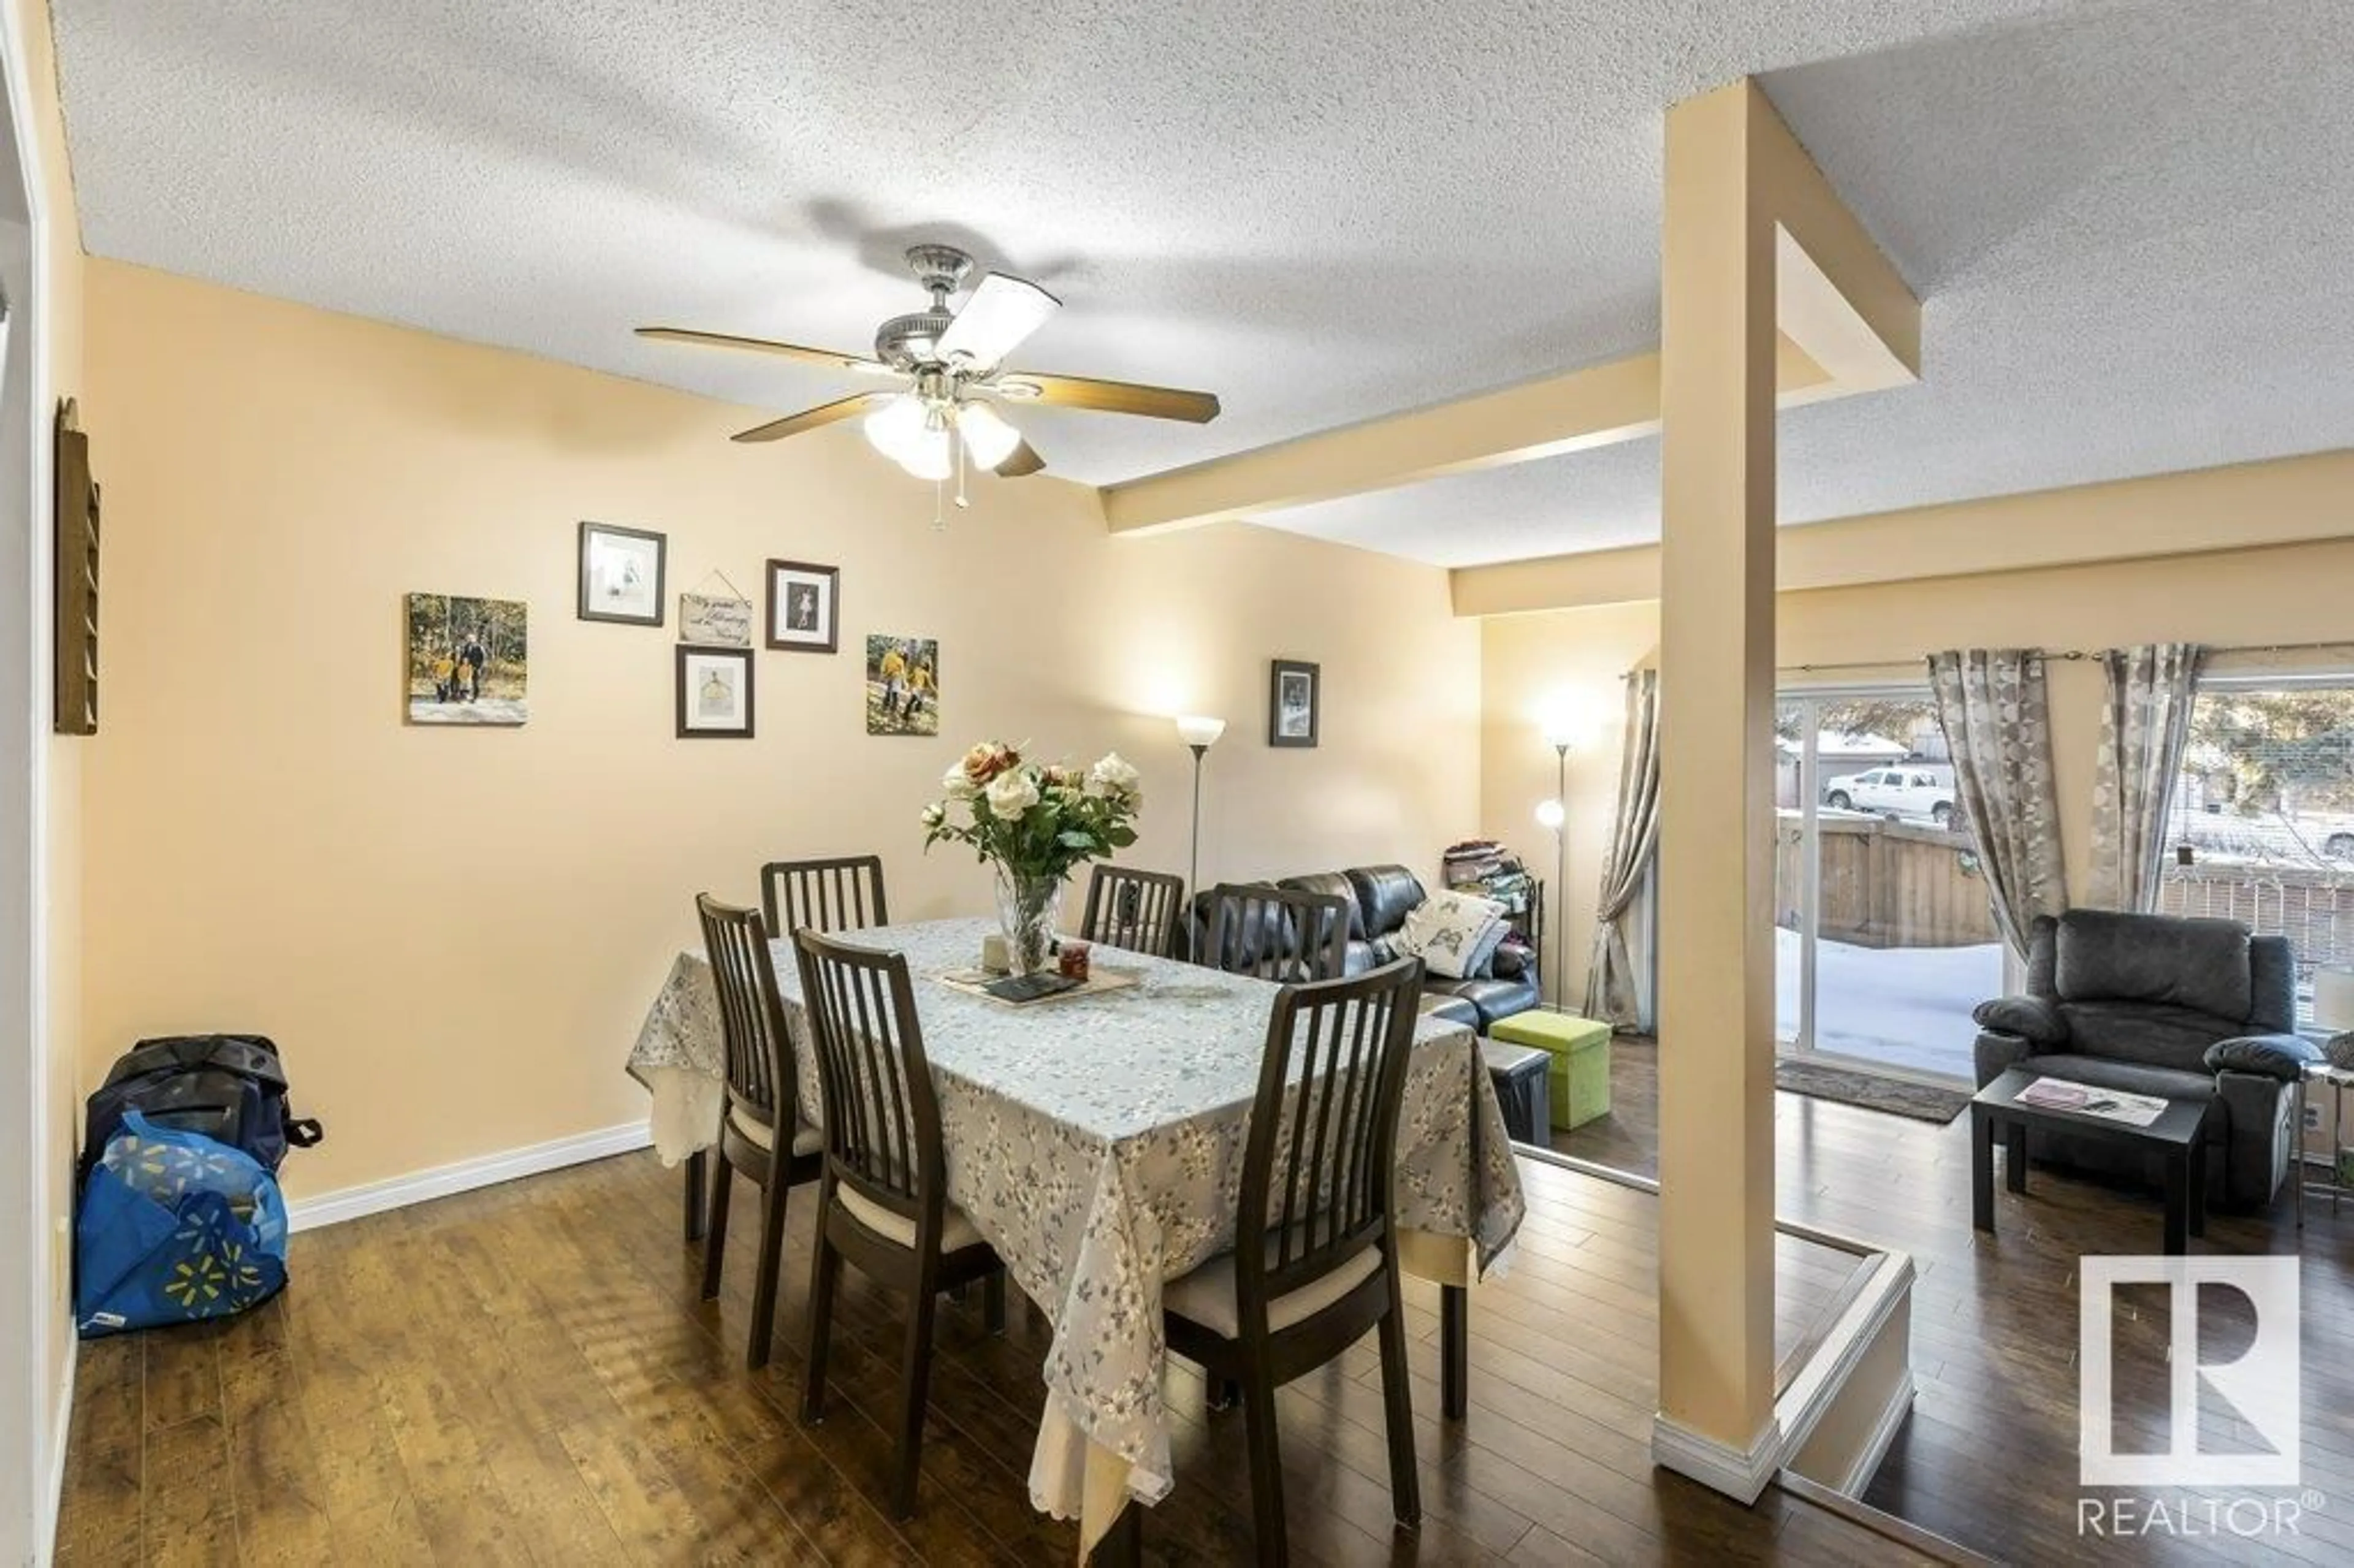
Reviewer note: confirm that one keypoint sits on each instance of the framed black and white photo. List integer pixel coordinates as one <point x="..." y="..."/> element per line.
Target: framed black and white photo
<point x="714" y="693"/>
<point x="621" y="575"/>
<point x="804" y="607"/>
<point x="1294" y="693"/>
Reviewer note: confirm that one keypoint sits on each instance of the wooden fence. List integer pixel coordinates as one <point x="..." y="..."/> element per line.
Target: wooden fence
<point x="1885" y="885"/>
<point x="2313" y="907"/>
<point x="1905" y="885"/>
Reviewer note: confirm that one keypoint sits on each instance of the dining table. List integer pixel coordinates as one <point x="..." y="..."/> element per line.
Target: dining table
<point x="1096" y="1140"/>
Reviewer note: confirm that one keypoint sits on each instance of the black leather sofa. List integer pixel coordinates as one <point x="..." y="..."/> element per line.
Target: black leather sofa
<point x="2153" y="1004"/>
<point x="1378" y="898"/>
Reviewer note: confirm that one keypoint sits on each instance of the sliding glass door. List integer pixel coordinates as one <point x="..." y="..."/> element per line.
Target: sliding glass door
<point x="1884" y="938"/>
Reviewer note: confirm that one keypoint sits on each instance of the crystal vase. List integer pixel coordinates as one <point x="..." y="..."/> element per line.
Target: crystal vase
<point x="1027" y="910"/>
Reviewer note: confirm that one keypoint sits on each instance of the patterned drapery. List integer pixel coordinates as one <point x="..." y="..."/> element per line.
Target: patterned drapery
<point x="2145" y="726"/>
<point x="1996" y="718"/>
<point x="1618" y="989"/>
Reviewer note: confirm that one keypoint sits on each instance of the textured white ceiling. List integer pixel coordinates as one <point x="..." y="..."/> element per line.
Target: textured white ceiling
<point x="2128" y="221"/>
<point x="2133" y="232"/>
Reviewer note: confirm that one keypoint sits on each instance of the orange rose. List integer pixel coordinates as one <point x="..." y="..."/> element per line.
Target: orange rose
<point x="986" y="761"/>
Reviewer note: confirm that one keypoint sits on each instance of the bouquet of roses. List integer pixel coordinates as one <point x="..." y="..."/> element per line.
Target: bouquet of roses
<point x="1032" y="819"/>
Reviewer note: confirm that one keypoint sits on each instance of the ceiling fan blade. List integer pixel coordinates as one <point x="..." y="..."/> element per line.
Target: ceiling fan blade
<point x="1024" y="461"/>
<point x="824" y="356"/>
<point x="1001" y="313"/>
<point x="1109" y="396"/>
<point x="815" y="419"/>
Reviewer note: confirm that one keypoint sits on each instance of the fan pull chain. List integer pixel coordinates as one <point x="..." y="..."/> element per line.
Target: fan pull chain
<point x="963" y="454"/>
<point x="940" y="514"/>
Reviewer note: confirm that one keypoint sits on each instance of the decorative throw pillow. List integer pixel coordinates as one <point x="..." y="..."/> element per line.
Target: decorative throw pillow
<point x="1453" y="934"/>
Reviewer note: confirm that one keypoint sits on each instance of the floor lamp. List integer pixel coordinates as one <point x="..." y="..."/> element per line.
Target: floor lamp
<point x="1199" y="734"/>
<point x="1554" y="814"/>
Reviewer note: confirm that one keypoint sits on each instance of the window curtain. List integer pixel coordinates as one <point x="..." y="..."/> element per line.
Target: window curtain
<point x="2145" y="728"/>
<point x="1997" y="716"/>
<point x="1617" y="989"/>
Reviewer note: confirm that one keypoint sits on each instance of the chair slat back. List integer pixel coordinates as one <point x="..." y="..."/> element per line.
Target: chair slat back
<point x="752" y="1013"/>
<point x="882" y="1122"/>
<point x="1281" y="934"/>
<point x="1324" y="1132"/>
<point x="842" y="893"/>
<point x="1138" y="910"/>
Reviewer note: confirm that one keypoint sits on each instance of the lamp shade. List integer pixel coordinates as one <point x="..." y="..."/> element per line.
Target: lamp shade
<point x="2333" y="999"/>
<point x="986" y="434"/>
<point x="1195" y="730"/>
<point x="1551" y="814"/>
<point x="895" y="427"/>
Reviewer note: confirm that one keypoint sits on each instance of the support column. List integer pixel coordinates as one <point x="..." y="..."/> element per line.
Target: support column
<point x="1716" y="801"/>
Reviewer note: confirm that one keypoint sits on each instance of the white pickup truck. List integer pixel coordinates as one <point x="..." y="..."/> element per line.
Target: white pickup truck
<point x="1922" y="790"/>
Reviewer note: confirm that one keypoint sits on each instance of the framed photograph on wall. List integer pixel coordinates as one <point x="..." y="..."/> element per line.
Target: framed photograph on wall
<point x="1295" y="693"/>
<point x="714" y="693"/>
<point x="902" y="685"/>
<point x="468" y="659"/>
<point x="621" y="574"/>
<point x="804" y="607"/>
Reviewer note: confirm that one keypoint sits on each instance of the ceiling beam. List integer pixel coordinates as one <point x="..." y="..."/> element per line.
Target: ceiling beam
<point x="1599" y="406"/>
<point x="1848" y="324"/>
<point x="2284" y="501"/>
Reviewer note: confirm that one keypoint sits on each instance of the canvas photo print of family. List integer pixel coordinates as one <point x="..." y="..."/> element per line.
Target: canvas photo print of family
<point x="466" y="660"/>
<point x="902" y="685"/>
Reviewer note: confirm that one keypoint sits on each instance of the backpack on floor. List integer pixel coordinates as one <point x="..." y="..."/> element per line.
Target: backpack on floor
<point x="174" y="1226"/>
<point x="230" y="1087"/>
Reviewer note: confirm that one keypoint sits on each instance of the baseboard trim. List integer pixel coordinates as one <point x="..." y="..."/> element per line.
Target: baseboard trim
<point x="53" y="1497"/>
<point x="1739" y="1473"/>
<point x="1883" y="1433"/>
<point x="444" y="1180"/>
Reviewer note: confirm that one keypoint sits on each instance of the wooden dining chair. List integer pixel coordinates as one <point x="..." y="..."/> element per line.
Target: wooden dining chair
<point x="882" y="1190"/>
<point x="841" y="893"/>
<point x="1138" y="910"/>
<point x="761" y="1129"/>
<point x="1281" y="934"/>
<point x="1315" y="1262"/>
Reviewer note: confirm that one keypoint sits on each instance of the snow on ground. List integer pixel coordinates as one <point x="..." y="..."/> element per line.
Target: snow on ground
<point x="1909" y="1007"/>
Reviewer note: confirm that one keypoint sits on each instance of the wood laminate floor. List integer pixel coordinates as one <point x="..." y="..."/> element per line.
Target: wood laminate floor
<point x="1988" y="1457"/>
<point x="524" y="1374"/>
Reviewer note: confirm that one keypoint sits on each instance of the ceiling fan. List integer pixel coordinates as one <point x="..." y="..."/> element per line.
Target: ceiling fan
<point x="953" y="363"/>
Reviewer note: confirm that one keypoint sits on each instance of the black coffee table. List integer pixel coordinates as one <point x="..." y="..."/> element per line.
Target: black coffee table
<point x="2177" y="1140"/>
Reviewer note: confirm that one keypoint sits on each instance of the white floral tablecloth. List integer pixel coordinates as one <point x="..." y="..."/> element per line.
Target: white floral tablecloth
<point x="1097" y="1142"/>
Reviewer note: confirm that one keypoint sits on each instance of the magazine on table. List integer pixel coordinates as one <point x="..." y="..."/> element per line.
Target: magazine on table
<point x="2086" y="1099"/>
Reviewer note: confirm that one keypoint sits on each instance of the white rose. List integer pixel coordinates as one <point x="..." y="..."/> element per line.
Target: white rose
<point x="1117" y="776"/>
<point x="957" y="784"/>
<point x="935" y="814"/>
<point x="1011" y="793"/>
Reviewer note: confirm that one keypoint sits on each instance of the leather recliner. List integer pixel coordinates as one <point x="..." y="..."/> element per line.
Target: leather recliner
<point x="2155" y="1004"/>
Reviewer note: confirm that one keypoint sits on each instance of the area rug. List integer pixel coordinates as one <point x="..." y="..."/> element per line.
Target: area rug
<point x="1922" y="1102"/>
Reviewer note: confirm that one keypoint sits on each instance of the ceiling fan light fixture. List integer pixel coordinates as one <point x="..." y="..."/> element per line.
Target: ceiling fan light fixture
<point x="930" y="455"/>
<point x="894" y="428"/>
<point x="987" y="436"/>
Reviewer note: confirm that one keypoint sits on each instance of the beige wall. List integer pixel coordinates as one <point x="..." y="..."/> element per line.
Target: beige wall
<point x="453" y="935"/>
<point x="1532" y="662"/>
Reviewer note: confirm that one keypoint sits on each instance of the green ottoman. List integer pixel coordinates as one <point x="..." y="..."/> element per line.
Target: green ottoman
<point x="1581" y="1052"/>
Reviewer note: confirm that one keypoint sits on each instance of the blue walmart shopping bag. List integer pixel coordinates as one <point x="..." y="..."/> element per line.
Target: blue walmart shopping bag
<point x="174" y="1226"/>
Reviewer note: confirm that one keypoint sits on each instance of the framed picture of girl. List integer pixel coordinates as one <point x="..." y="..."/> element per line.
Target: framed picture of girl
<point x="804" y="607"/>
<point x="621" y="574"/>
<point x="714" y="693"/>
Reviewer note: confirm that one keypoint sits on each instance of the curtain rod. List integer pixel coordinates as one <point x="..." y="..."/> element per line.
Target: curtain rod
<point x="2071" y="654"/>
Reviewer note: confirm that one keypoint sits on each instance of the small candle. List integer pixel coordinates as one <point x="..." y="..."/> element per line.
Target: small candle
<point x="1075" y="960"/>
<point x="992" y="953"/>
